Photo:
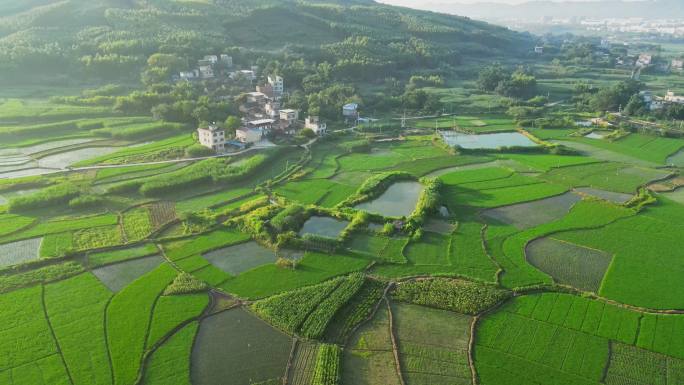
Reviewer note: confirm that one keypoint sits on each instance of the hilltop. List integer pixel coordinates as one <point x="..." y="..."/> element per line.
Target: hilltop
<point x="117" y="36"/>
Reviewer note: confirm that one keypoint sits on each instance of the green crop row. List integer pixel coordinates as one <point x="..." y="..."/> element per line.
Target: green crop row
<point x="357" y="310"/>
<point x="449" y="294"/>
<point x="171" y="311"/>
<point x="137" y="224"/>
<point x="328" y="362"/>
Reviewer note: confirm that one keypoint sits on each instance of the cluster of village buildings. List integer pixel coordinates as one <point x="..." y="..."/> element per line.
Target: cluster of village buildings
<point x="261" y="109"/>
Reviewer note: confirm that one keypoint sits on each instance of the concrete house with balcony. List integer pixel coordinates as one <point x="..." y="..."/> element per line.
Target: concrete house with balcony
<point x="212" y="137"/>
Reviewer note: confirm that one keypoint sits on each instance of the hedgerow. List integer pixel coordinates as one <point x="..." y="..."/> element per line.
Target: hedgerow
<point x="185" y="284"/>
<point x="44" y="274"/>
<point x="50" y="196"/>
<point x="327" y="370"/>
<point x="450" y="294"/>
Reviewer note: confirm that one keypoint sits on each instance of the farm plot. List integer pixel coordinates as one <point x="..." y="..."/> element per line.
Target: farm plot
<point x="170" y="364"/>
<point x="646" y="254"/>
<point x="173" y="310"/>
<point x="323" y="192"/>
<point x="355" y="311"/>
<point x="431" y="249"/>
<point x="610" y="196"/>
<point x="56" y="245"/>
<point x="137" y="225"/>
<point x="475" y="124"/>
<point x="115" y="256"/>
<point x="605" y="176"/>
<point x="439" y="226"/>
<point x="64" y="159"/>
<point x="569" y="264"/>
<point x="368" y="358"/>
<point x="20" y="251"/>
<point x="271" y="279"/>
<point x="28" y="353"/>
<point x="535" y="213"/>
<point x="161" y="213"/>
<point x="433" y="345"/>
<point x="241" y="257"/>
<point x="304" y="363"/>
<point x="99" y="237"/>
<point x="535" y="338"/>
<point x="119" y="275"/>
<point x="655" y="149"/>
<point x="128" y="321"/>
<point x="202" y="202"/>
<point x="661" y="333"/>
<point x="177" y="250"/>
<point x="631" y="365"/>
<point x="76" y="309"/>
<point x="542" y="162"/>
<point x="10" y="223"/>
<point x="388" y="249"/>
<point x="236" y="345"/>
<point x="467" y="253"/>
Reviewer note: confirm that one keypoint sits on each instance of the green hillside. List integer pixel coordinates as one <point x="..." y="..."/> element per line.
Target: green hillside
<point x="112" y="38"/>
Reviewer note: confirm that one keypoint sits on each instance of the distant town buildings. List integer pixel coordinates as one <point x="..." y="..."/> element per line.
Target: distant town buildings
<point x="644" y="60"/>
<point x="249" y="135"/>
<point x="677" y="64"/>
<point x="350" y="111"/>
<point x="212" y="137"/>
<point x="278" y="85"/>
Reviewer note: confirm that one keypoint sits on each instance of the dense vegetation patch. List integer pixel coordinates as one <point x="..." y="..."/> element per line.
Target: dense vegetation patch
<point x="443" y="293"/>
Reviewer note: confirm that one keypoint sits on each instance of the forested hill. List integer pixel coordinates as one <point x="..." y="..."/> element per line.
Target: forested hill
<point x="112" y="38"/>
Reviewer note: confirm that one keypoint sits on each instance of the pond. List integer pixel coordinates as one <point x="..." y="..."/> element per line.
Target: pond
<point x="19" y="252"/>
<point x="596" y="135"/>
<point x="119" y="275"/>
<point x="610" y="196"/>
<point x="65" y="159"/>
<point x="237" y="259"/>
<point x="676" y="195"/>
<point x="676" y="159"/>
<point x="238" y="348"/>
<point x="398" y="201"/>
<point x="487" y="141"/>
<point x="323" y="226"/>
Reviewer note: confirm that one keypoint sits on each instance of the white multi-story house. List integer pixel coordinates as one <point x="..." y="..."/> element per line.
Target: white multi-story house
<point x="539" y="49"/>
<point x="350" y="111"/>
<point x="212" y="137"/>
<point x="289" y="115"/>
<point x="314" y="124"/>
<point x="213" y="59"/>
<point x="206" y="71"/>
<point x="277" y="84"/>
<point x="249" y="135"/>
<point x="189" y="75"/>
<point x="227" y="60"/>
<point x="670" y="97"/>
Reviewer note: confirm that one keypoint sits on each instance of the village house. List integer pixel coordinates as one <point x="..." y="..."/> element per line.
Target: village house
<point x="644" y="60"/>
<point x="314" y="124"/>
<point x="266" y="89"/>
<point x="677" y="64"/>
<point x="256" y="97"/>
<point x="278" y="86"/>
<point x="272" y="109"/>
<point x="539" y="49"/>
<point x="249" y="135"/>
<point x="350" y="111"/>
<point x="227" y="60"/>
<point x="206" y="72"/>
<point x="190" y="75"/>
<point x="212" y="59"/>
<point x="212" y="137"/>
<point x="262" y="124"/>
<point x="248" y="74"/>
<point x="670" y="97"/>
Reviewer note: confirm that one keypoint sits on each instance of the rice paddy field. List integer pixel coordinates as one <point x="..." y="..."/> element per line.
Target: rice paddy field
<point x="286" y="265"/>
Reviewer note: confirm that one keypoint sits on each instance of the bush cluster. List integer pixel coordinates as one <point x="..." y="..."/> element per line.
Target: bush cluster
<point x="450" y="294"/>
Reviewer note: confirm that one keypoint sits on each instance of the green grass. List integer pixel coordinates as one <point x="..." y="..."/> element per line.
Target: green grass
<point x="107" y="257"/>
<point x="467" y="253"/>
<point x="271" y="279"/>
<point x="128" y="320"/>
<point x="10" y="223"/>
<point x="50" y="273"/>
<point x="62" y="225"/>
<point x="543" y="162"/>
<point x="385" y="248"/>
<point x="56" y="245"/>
<point x="316" y="191"/>
<point x="170" y="311"/>
<point x="171" y="362"/>
<point x="76" y="308"/>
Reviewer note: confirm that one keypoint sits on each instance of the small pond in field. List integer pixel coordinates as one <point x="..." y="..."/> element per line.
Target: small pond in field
<point x="676" y="195"/>
<point x="676" y="159"/>
<point x="65" y="159"/>
<point x="119" y="275"/>
<point x="323" y="226"/>
<point x="19" y="252"/>
<point x="237" y="259"/>
<point x="487" y="141"/>
<point x="237" y="348"/>
<point x="398" y="201"/>
<point x="597" y="134"/>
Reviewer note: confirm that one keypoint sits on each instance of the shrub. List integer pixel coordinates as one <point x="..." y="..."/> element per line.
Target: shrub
<point x="86" y="201"/>
<point x="185" y="284"/>
<point x="197" y="150"/>
<point x="54" y="195"/>
<point x="286" y="263"/>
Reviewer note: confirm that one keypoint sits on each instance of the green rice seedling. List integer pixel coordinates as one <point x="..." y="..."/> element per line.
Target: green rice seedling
<point x="355" y="311"/>
<point x="46" y="274"/>
<point x="128" y="320"/>
<point x="177" y="250"/>
<point x="76" y="309"/>
<point x="170" y="363"/>
<point x="171" y="311"/>
<point x="96" y="238"/>
<point x="107" y="257"/>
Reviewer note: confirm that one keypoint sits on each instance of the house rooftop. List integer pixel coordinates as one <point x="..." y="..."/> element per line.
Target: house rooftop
<point x="260" y="122"/>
